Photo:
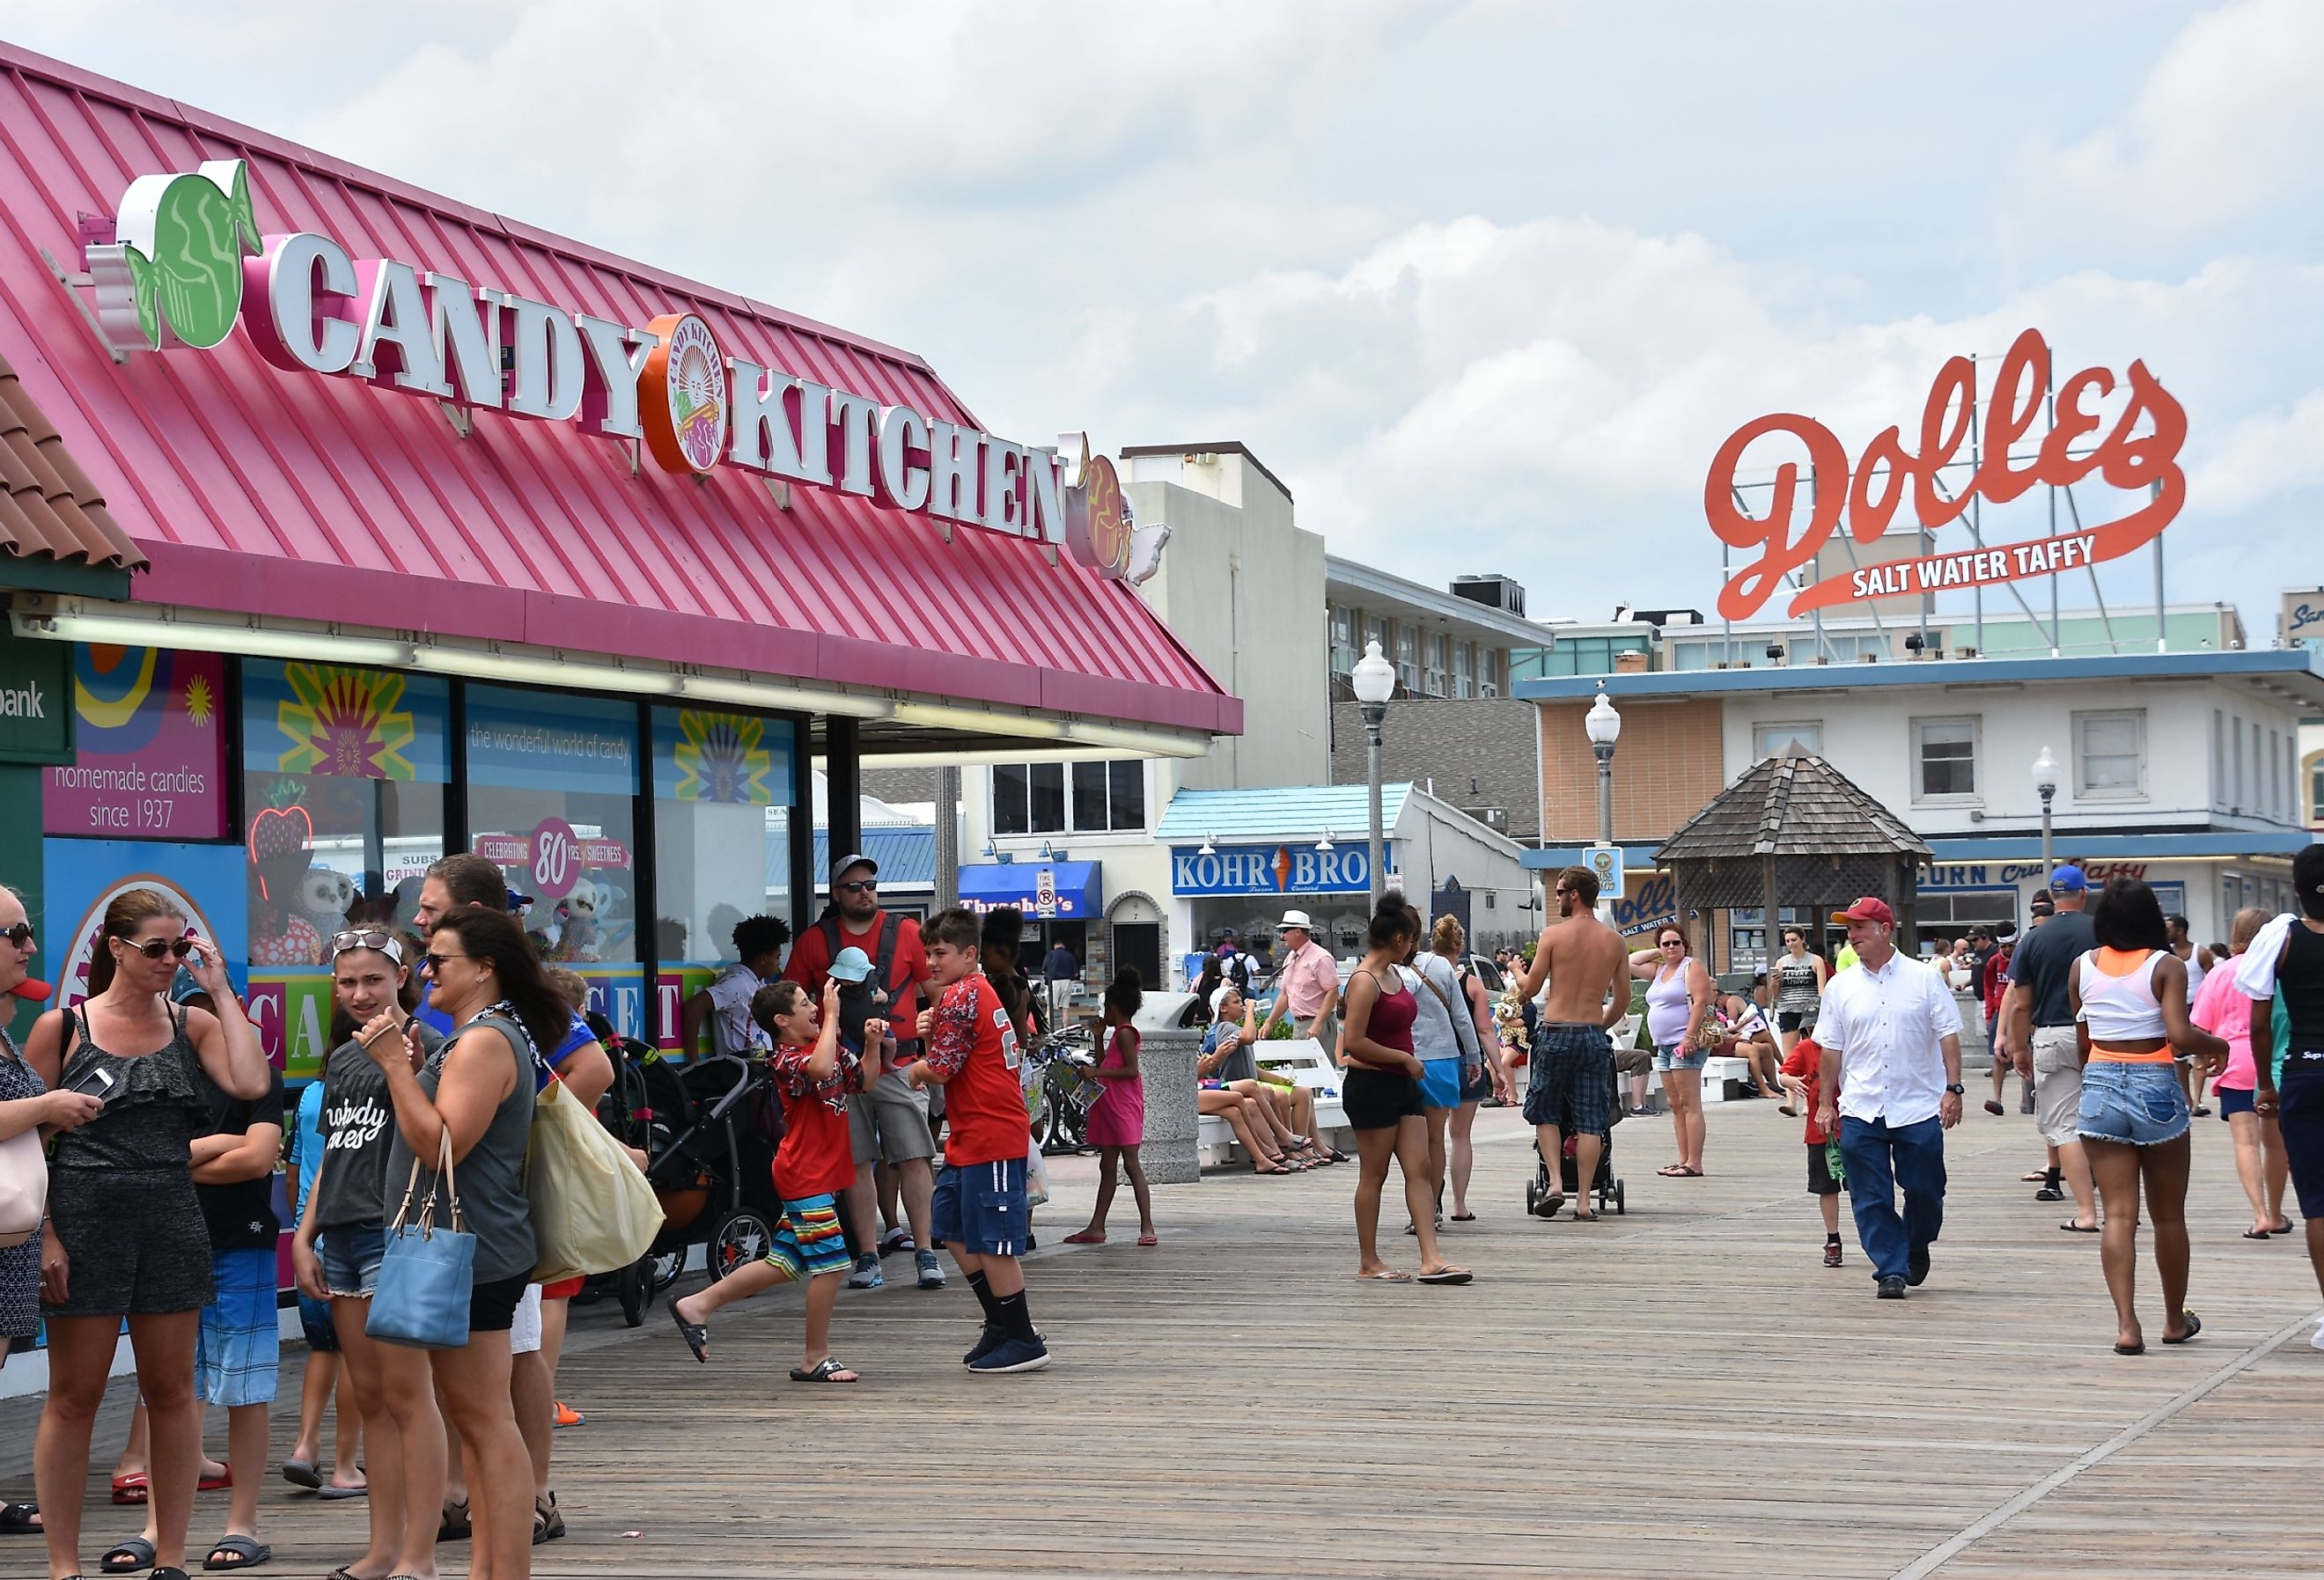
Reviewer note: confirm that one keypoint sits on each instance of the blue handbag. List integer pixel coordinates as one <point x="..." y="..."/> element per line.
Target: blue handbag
<point x="428" y="1275"/>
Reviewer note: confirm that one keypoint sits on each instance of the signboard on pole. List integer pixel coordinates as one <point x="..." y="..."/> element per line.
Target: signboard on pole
<point x="1045" y="895"/>
<point x="1606" y="861"/>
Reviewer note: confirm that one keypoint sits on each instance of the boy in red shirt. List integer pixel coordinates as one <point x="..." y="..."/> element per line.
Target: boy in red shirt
<point x="979" y="1211"/>
<point x="813" y="1075"/>
<point x="1800" y="1072"/>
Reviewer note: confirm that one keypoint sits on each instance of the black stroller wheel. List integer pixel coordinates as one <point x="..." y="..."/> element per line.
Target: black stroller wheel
<point x="661" y="1270"/>
<point x="632" y="1288"/>
<point x="1621" y="1209"/>
<point x="743" y="1237"/>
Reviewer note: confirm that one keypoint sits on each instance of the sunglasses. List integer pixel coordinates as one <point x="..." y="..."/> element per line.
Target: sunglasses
<point x="1672" y="944"/>
<point x="436" y="963"/>
<point x="387" y="944"/>
<point x="859" y="885"/>
<point x="154" y="948"/>
<point x="21" y="935"/>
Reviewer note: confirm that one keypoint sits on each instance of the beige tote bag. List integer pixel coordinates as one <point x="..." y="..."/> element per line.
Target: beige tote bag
<point x="592" y="1211"/>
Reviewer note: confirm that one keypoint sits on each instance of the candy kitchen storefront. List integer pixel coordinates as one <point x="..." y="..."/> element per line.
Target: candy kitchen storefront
<point x="372" y="526"/>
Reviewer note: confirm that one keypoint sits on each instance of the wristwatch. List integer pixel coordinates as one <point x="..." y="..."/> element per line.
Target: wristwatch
<point x="1956" y="1089"/>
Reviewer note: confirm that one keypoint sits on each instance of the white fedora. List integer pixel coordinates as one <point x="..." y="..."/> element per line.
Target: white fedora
<point x="1297" y="919"/>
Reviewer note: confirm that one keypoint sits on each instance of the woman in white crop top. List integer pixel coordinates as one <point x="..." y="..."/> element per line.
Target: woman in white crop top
<point x="2129" y="998"/>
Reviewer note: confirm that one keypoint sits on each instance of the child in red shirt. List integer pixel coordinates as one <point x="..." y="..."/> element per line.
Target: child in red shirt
<point x="1799" y="1073"/>
<point x="813" y="1075"/>
<point x="979" y="1210"/>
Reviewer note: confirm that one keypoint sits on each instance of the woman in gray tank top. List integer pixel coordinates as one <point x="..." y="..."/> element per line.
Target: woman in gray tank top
<point x="480" y="1087"/>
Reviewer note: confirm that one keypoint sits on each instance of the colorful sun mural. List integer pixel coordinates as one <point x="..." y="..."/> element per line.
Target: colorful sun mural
<point x="346" y="724"/>
<point x="723" y="757"/>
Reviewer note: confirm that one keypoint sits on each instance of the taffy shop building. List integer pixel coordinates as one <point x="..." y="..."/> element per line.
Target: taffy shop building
<point x="347" y="525"/>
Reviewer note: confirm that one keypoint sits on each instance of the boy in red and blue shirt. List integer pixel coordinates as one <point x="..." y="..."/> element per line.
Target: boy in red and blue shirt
<point x="979" y="1210"/>
<point x="813" y="1075"/>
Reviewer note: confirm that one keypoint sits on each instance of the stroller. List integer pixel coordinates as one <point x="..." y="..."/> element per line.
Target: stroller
<point x="1604" y="1185"/>
<point x="709" y="1129"/>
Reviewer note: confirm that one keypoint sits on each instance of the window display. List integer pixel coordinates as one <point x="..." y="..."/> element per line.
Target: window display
<point x="552" y="789"/>
<point x="721" y="784"/>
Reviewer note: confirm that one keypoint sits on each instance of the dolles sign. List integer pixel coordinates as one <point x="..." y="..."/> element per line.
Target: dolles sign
<point x="186" y="263"/>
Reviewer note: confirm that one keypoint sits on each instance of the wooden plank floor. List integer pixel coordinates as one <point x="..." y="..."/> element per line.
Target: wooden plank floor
<point x="1682" y="1392"/>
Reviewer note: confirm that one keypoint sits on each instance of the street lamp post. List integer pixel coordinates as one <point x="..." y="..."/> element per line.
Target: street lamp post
<point x="1374" y="678"/>
<point x="2045" y="780"/>
<point x="1604" y="727"/>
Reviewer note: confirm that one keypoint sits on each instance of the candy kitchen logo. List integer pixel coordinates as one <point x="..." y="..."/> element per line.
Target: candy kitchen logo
<point x="2139" y="454"/>
<point x="186" y="262"/>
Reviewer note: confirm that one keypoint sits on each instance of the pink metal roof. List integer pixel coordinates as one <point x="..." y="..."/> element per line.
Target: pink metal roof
<point x="255" y="490"/>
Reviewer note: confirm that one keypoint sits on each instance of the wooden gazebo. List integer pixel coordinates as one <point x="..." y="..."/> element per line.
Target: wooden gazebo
<point x="1796" y="831"/>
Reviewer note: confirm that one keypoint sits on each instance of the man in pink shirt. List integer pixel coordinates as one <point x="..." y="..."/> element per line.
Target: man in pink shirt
<point x="1308" y="984"/>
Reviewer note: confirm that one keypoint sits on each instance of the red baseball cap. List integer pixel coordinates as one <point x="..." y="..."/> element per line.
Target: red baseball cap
<point x="1868" y="909"/>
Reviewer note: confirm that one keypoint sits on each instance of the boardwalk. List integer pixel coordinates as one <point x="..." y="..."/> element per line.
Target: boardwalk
<point x="1681" y="1392"/>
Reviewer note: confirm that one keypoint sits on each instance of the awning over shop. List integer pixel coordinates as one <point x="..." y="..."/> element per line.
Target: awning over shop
<point x="1079" y="887"/>
<point x="260" y="492"/>
<point x="55" y="533"/>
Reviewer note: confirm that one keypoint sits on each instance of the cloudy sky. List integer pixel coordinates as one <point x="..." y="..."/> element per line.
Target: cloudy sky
<point x="1486" y="284"/>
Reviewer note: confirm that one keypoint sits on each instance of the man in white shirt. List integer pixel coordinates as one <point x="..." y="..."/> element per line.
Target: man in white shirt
<point x="1896" y="1083"/>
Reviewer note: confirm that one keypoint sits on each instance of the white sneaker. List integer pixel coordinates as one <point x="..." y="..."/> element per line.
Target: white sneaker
<point x="2316" y="1340"/>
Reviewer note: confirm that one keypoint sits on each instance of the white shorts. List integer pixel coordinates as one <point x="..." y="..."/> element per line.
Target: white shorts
<point x="524" y="1328"/>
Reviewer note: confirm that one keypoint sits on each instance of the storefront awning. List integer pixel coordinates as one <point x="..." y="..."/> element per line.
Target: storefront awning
<point x="1080" y="887"/>
<point x="260" y="492"/>
<point x="55" y="531"/>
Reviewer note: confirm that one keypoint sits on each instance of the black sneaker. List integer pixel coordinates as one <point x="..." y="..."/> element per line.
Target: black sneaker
<point x="989" y="1340"/>
<point x="1917" y="1268"/>
<point x="1892" y="1288"/>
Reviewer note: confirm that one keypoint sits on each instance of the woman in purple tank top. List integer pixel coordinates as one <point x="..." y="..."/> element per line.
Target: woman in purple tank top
<point x="1381" y="1095"/>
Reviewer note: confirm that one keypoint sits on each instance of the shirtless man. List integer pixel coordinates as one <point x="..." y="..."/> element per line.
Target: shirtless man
<point x="1571" y="1089"/>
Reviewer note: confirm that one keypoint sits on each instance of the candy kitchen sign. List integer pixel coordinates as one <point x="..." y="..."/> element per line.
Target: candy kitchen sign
<point x="2138" y="454"/>
<point x="186" y="263"/>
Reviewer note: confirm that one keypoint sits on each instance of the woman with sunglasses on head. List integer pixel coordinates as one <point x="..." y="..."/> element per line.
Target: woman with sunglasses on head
<point x="25" y="1104"/>
<point x="128" y="1235"/>
<point x="478" y="1089"/>
<point x="1678" y="1003"/>
<point x="342" y="1236"/>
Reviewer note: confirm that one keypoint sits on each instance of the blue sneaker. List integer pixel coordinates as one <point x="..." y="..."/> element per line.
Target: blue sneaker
<point x="931" y="1270"/>
<point x="867" y="1274"/>
<point x="1011" y="1354"/>
<point x="988" y="1340"/>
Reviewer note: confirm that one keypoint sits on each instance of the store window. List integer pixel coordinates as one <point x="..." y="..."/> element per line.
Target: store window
<point x="1440" y="664"/>
<point x="1057" y="798"/>
<point x="1464" y="669"/>
<point x="1946" y="751"/>
<point x="1488" y="672"/>
<point x="1779" y="740"/>
<point x="2111" y="755"/>
<point x="344" y="772"/>
<point x="720" y="783"/>
<point x="1407" y="658"/>
<point x="1344" y="640"/>
<point x="2315" y="782"/>
<point x="552" y="801"/>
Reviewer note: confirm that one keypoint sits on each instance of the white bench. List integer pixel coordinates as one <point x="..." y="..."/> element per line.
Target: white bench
<point x="1305" y="1062"/>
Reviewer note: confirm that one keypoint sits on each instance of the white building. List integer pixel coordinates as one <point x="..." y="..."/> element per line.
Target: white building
<point x="2185" y="769"/>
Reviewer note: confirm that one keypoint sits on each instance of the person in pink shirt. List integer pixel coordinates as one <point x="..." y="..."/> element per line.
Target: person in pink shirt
<point x="1307" y="986"/>
<point x="2260" y="1158"/>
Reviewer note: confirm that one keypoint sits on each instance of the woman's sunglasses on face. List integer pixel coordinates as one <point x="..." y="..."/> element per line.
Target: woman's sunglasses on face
<point x="436" y="963"/>
<point x="21" y="935"/>
<point x="154" y="948"/>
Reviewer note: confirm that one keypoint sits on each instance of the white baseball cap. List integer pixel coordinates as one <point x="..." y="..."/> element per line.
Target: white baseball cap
<point x="1297" y="919"/>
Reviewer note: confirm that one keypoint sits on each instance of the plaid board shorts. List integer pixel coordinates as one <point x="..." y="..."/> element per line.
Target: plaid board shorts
<point x="1573" y="1082"/>
<point x="239" y="1347"/>
<point x="808" y="1240"/>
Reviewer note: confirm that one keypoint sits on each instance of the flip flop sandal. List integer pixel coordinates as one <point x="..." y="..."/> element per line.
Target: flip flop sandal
<point x="245" y="1552"/>
<point x="127" y="1557"/>
<point x="1464" y="1217"/>
<point x="300" y="1472"/>
<point x="1085" y="1237"/>
<point x="2087" y="1228"/>
<point x="2256" y="1233"/>
<point x="2036" y="1177"/>
<point x="1582" y="1217"/>
<point x="1150" y="1239"/>
<point x="340" y="1494"/>
<point x="2137" y="1349"/>
<point x="1675" y="1171"/>
<point x="696" y="1336"/>
<point x="826" y="1370"/>
<point x="1451" y="1275"/>
<point x="1391" y="1276"/>
<point x="129" y="1489"/>
<point x="456" y="1525"/>
<point x="2194" y="1326"/>
<point x="218" y="1483"/>
<point x="17" y="1520"/>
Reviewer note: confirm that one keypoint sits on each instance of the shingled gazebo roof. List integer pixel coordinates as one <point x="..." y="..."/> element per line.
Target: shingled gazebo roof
<point x="1793" y="805"/>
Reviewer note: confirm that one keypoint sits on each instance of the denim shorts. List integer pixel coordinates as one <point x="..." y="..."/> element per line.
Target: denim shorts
<point x="350" y="1256"/>
<point x="1666" y="1061"/>
<point x="2131" y="1104"/>
<point x="980" y="1207"/>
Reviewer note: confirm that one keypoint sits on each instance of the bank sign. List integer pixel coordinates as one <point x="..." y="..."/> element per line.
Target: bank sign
<point x="1274" y="869"/>
<point x="2138" y="455"/>
<point x="186" y="263"/>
